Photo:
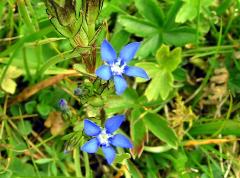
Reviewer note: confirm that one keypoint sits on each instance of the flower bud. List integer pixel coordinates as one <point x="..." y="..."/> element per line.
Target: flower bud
<point x="63" y="105"/>
<point x="64" y="11"/>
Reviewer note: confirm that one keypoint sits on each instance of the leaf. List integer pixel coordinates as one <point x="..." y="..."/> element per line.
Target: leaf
<point x="43" y="109"/>
<point x="153" y="89"/>
<point x="150" y="67"/>
<point x="171" y="15"/>
<point x="150" y="10"/>
<point x="121" y="157"/>
<point x="159" y="127"/>
<point x="137" y="26"/>
<point x="30" y="106"/>
<point x="25" y="127"/>
<point x="135" y="172"/>
<point x="119" y="39"/>
<point x="190" y="8"/>
<point x="138" y="132"/>
<point x="9" y="85"/>
<point x="188" y="11"/>
<point x="43" y="160"/>
<point x="168" y="60"/>
<point x="161" y="85"/>
<point x="166" y="83"/>
<point x="224" y="127"/>
<point x="149" y="45"/>
<point x="179" y="36"/>
<point x="20" y="168"/>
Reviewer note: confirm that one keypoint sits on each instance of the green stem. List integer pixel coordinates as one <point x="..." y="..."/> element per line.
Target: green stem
<point x="86" y="163"/>
<point x="26" y="18"/>
<point x="77" y="163"/>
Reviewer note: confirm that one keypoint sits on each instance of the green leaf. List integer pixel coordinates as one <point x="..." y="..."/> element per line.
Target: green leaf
<point x="30" y="106"/>
<point x="137" y="26"/>
<point x="43" y="160"/>
<point x="138" y="132"/>
<point x="43" y="109"/>
<point x="19" y="168"/>
<point x="224" y="127"/>
<point x="159" y="127"/>
<point x="150" y="67"/>
<point x="166" y="83"/>
<point x="171" y="15"/>
<point x="150" y="10"/>
<point x="149" y="45"/>
<point x="121" y="157"/>
<point x="119" y="39"/>
<point x="190" y="8"/>
<point x="223" y="6"/>
<point x="135" y="172"/>
<point x="25" y="127"/>
<point x="166" y="60"/>
<point x="161" y="85"/>
<point x="179" y="36"/>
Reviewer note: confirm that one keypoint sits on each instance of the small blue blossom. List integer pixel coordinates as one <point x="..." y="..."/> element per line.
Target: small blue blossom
<point x="115" y="67"/>
<point x="63" y="105"/>
<point x="104" y="137"/>
<point x="78" y="91"/>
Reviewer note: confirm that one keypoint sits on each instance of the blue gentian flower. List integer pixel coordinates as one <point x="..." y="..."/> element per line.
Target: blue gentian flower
<point x="78" y="91"/>
<point x="63" y="105"/>
<point x="104" y="137"/>
<point x="115" y="67"/>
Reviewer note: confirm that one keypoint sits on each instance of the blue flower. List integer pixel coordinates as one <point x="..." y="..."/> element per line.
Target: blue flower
<point x="63" y="105"/>
<point x="105" y="138"/>
<point x="115" y="67"/>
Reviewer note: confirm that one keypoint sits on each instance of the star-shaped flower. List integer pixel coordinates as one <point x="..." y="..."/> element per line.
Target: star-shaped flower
<point x="115" y="67"/>
<point x="104" y="137"/>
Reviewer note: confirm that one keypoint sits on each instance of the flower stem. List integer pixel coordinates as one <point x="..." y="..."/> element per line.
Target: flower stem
<point x="86" y="163"/>
<point x="77" y="163"/>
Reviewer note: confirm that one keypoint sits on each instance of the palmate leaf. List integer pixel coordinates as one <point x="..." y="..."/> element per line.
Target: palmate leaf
<point x="166" y="60"/>
<point x="152" y="28"/>
<point x="150" y="10"/>
<point x="161" y="85"/>
<point x="137" y="26"/>
<point x="150" y="67"/>
<point x="150" y="45"/>
<point x="161" y="72"/>
<point x="179" y="36"/>
<point x="190" y="9"/>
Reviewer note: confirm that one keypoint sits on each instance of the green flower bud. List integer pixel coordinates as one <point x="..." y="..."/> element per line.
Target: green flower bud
<point x="64" y="11"/>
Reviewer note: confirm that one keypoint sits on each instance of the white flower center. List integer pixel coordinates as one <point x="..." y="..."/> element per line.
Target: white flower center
<point x="117" y="69"/>
<point x="103" y="137"/>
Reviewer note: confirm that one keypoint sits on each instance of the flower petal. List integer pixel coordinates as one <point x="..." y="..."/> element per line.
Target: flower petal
<point x="121" y="141"/>
<point x="104" y="72"/>
<point x="90" y="128"/>
<point x="129" y="51"/>
<point x="120" y="84"/>
<point x="91" y="146"/>
<point x="113" y="123"/>
<point x="109" y="153"/>
<point x="108" y="54"/>
<point x="135" y="72"/>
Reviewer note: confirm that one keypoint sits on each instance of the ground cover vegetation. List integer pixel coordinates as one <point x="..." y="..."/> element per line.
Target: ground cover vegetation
<point x="119" y="88"/>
